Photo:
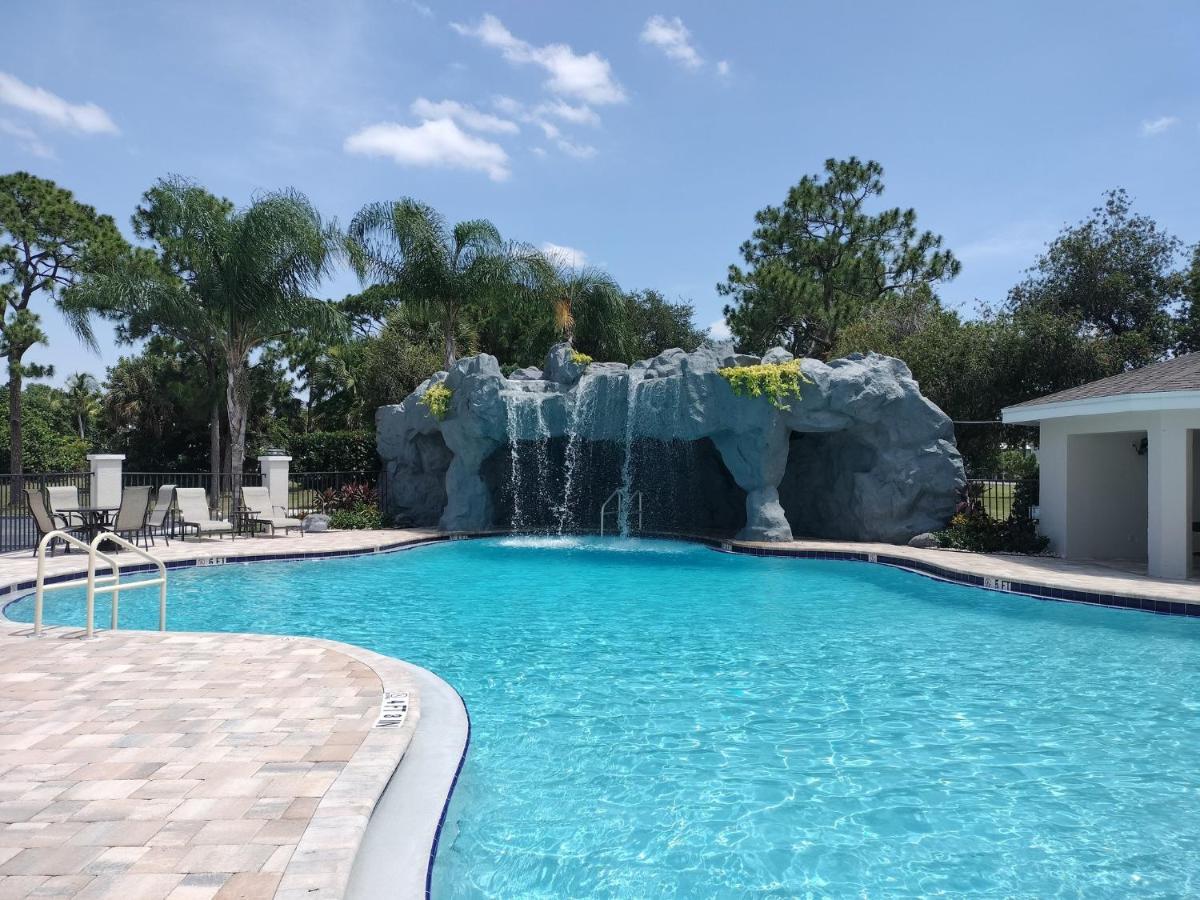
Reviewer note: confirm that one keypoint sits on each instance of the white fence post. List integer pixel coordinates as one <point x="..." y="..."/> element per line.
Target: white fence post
<point x="106" y="478"/>
<point x="275" y="471"/>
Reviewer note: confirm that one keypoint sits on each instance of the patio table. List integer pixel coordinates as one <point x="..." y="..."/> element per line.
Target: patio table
<point x="95" y="518"/>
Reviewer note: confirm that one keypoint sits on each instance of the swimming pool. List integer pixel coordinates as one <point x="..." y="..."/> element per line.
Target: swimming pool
<point x="658" y="719"/>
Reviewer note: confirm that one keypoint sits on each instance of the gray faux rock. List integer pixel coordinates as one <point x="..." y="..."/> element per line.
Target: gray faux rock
<point x="923" y="541"/>
<point x="777" y="355"/>
<point x="860" y="455"/>
<point x="315" y="522"/>
<point x="530" y="373"/>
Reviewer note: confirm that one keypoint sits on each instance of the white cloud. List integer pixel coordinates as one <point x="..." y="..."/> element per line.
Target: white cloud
<point x="724" y="68"/>
<point x="26" y="137"/>
<point x="579" y="151"/>
<point x="87" y="118"/>
<point x="420" y="8"/>
<point x="439" y="143"/>
<point x="1151" y="127"/>
<point x="576" y="115"/>
<point x="564" y="255"/>
<point x="549" y="129"/>
<point x="586" y="76"/>
<point x="672" y="37"/>
<point x="465" y="115"/>
<point x="719" y="331"/>
<point x="539" y="152"/>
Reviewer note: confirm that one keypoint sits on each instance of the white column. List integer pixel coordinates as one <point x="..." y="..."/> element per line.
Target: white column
<point x="1169" y="534"/>
<point x="106" y="478"/>
<point x="275" y="477"/>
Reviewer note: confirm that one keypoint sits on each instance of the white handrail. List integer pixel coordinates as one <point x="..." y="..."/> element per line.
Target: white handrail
<point x="101" y="583"/>
<point x="161" y="580"/>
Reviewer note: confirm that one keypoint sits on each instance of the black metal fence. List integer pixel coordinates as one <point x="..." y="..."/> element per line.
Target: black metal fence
<point x="1001" y="466"/>
<point x="310" y="492"/>
<point x="17" y="531"/>
<point x="224" y="500"/>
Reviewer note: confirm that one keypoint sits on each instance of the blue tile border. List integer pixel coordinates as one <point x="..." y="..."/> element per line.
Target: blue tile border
<point x="941" y="573"/>
<point x="917" y="566"/>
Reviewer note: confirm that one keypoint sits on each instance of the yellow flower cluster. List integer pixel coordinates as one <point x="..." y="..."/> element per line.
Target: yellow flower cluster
<point x="437" y="401"/>
<point x="778" y="382"/>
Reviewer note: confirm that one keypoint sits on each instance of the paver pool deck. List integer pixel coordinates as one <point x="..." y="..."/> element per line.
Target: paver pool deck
<point x="147" y="765"/>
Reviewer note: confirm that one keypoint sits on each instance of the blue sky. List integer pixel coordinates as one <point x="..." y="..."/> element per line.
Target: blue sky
<point x="642" y="135"/>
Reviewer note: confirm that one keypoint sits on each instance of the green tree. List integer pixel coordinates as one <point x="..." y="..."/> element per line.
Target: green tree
<point x="407" y="350"/>
<point x="154" y="409"/>
<point x="1188" y="325"/>
<point x="409" y="247"/>
<point x="820" y="261"/>
<point x="48" y="240"/>
<point x="657" y="324"/>
<point x="1116" y="273"/>
<point x="239" y="279"/>
<point x="585" y="303"/>
<point x="81" y="398"/>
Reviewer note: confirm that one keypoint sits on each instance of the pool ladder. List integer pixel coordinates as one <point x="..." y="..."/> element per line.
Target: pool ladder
<point x="619" y="496"/>
<point x="99" y="584"/>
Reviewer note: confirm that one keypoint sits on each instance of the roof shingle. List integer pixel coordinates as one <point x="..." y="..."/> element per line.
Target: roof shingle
<point x="1179" y="374"/>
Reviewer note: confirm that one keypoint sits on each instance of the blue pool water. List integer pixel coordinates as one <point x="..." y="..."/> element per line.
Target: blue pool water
<point x="660" y="720"/>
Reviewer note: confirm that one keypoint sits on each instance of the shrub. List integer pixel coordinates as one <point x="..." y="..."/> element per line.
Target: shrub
<point x="581" y="359"/>
<point x="778" y="382"/>
<point x="334" y="451"/>
<point x="348" y="496"/>
<point x="437" y="401"/>
<point x="362" y="516"/>
<point x="973" y="529"/>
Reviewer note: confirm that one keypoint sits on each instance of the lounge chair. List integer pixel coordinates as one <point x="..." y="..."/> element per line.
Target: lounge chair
<point x="194" y="514"/>
<point x="258" y="508"/>
<point x="64" y="500"/>
<point x="46" y="521"/>
<point x="157" y="520"/>
<point x="131" y="514"/>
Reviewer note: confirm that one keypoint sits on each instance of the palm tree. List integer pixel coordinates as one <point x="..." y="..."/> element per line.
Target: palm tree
<point x="409" y="246"/>
<point x="587" y="302"/>
<point x="81" y="392"/>
<point x="229" y="280"/>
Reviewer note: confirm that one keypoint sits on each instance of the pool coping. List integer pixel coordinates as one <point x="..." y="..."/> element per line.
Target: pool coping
<point x="319" y="869"/>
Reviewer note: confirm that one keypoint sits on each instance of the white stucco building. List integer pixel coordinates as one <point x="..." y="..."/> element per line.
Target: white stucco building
<point x="1118" y="464"/>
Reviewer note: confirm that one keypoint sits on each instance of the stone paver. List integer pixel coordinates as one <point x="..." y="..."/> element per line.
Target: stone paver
<point x="147" y="765"/>
<point x="1047" y="571"/>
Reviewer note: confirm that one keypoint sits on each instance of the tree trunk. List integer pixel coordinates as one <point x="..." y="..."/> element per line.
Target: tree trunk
<point x="236" y="400"/>
<point x="14" y="429"/>
<point x="82" y="436"/>
<point x="449" y="336"/>
<point x="214" y="446"/>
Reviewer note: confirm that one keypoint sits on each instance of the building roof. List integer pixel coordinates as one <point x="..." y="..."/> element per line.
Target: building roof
<point x="1179" y="374"/>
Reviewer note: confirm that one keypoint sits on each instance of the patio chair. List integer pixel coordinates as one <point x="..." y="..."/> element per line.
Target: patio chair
<point x="157" y="520"/>
<point x="64" y="500"/>
<point x="46" y="521"/>
<point x="194" y="513"/>
<point x="258" y="509"/>
<point x="132" y="513"/>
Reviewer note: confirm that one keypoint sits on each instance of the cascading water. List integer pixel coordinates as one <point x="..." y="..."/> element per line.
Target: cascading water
<point x="579" y="421"/>
<point x="526" y="427"/>
<point x="634" y="382"/>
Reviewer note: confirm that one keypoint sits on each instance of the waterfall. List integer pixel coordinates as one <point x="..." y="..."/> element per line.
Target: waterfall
<point x="579" y="420"/>
<point x="526" y="424"/>
<point x="633" y="381"/>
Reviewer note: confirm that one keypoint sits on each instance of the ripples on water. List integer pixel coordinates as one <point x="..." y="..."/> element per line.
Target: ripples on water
<point x="667" y="721"/>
